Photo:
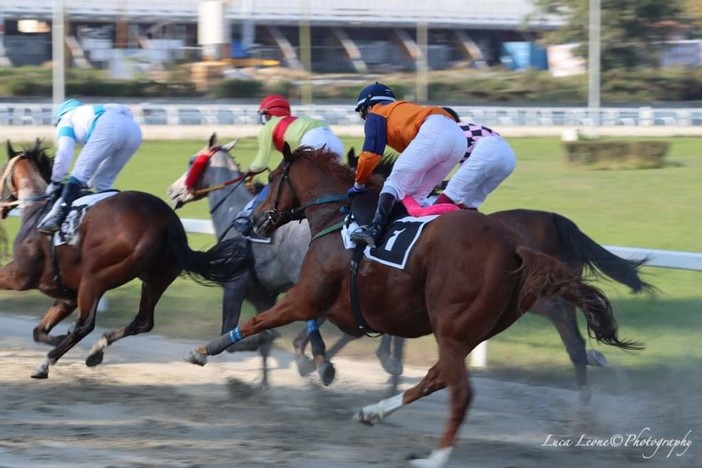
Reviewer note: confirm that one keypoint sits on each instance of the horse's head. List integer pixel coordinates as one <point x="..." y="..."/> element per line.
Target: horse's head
<point x="195" y="183"/>
<point x="305" y="178"/>
<point x="24" y="176"/>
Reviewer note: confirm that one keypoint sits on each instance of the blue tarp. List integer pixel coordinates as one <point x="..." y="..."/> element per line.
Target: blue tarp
<point x="523" y="55"/>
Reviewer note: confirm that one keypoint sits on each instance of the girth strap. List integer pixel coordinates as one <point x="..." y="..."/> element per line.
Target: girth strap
<point x="353" y="290"/>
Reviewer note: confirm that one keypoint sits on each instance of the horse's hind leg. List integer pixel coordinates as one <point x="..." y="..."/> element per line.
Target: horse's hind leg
<point x="562" y="314"/>
<point x="151" y="292"/>
<point x="57" y="312"/>
<point x="88" y="298"/>
<point x="449" y="372"/>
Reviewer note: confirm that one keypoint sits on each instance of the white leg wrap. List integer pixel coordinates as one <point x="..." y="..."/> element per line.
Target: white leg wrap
<point x="99" y="345"/>
<point x="373" y="413"/>
<point x="438" y="458"/>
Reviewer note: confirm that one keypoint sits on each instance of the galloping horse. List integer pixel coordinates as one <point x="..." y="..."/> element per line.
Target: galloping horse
<point x="274" y="266"/>
<point x="556" y="235"/>
<point x="469" y="277"/>
<point x="125" y="236"/>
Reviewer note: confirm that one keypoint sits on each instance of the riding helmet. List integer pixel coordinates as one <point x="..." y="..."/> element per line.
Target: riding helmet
<point x="65" y="107"/>
<point x="275" y="105"/>
<point x="371" y="94"/>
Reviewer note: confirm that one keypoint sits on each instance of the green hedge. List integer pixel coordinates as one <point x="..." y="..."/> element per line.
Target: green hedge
<point x="612" y="154"/>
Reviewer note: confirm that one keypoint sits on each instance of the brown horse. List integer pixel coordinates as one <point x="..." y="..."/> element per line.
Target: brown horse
<point x="128" y="235"/>
<point x="549" y="233"/>
<point x="469" y="277"/>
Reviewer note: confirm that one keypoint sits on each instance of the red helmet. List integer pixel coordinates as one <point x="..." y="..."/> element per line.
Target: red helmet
<point x="275" y="105"/>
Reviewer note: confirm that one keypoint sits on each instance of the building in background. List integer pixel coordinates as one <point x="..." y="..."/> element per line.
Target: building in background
<point x="345" y="35"/>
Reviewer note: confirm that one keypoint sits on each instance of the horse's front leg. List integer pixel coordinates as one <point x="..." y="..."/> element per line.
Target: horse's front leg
<point x="56" y="313"/>
<point x="292" y="308"/>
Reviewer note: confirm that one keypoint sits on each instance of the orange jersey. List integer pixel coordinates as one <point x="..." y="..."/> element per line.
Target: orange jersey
<point x="395" y="125"/>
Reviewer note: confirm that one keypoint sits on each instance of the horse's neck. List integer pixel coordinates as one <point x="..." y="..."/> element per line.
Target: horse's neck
<point x="227" y="202"/>
<point x="326" y="214"/>
<point x="29" y="193"/>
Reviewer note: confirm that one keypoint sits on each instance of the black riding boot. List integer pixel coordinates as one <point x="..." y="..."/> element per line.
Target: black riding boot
<point x="52" y="221"/>
<point x="371" y="234"/>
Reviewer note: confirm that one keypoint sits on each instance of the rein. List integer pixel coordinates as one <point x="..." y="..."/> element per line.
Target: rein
<point x="212" y="188"/>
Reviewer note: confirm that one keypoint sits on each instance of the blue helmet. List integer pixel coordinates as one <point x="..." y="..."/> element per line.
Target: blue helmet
<point x="371" y="94"/>
<point x="66" y="106"/>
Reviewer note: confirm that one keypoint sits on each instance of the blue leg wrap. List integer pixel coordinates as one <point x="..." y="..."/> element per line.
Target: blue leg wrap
<point x="312" y="326"/>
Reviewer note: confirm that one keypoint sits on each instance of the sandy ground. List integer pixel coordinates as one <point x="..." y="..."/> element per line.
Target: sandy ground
<point x="144" y="407"/>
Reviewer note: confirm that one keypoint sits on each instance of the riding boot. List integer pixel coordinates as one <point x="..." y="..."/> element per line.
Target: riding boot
<point x="371" y="234"/>
<point x="53" y="220"/>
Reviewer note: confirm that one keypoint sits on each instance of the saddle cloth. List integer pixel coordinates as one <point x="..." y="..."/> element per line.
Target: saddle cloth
<point x="397" y="241"/>
<point x="68" y="234"/>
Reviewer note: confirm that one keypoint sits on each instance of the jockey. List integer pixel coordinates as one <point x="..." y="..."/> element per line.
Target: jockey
<point x="280" y="126"/>
<point x="488" y="161"/>
<point x="428" y="140"/>
<point x="109" y="137"/>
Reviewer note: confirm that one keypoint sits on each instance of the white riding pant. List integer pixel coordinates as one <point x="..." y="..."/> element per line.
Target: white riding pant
<point x="115" y="138"/>
<point x="323" y="136"/>
<point x="491" y="162"/>
<point x="438" y="147"/>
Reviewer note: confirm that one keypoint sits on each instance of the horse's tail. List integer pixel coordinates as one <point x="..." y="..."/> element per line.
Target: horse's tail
<point x="580" y="249"/>
<point x="220" y="264"/>
<point x="545" y="276"/>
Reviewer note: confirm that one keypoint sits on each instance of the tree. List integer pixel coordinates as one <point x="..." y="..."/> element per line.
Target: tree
<point x="693" y="11"/>
<point x="630" y="29"/>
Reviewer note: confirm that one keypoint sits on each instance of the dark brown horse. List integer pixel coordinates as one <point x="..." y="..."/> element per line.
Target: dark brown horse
<point x="469" y="277"/>
<point x="128" y="235"/>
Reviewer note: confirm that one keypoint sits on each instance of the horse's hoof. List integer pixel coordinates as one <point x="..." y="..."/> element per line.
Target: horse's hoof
<point x="364" y="418"/>
<point x="41" y="371"/>
<point x="438" y="458"/>
<point x="40" y="374"/>
<point x="326" y="372"/>
<point x="196" y="357"/>
<point x="596" y="358"/>
<point x="392" y="366"/>
<point x="94" y="359"/>
<point x="305" y="365"/>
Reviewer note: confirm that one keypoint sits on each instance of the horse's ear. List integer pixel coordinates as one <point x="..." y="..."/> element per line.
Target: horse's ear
<point x="351" y="158"/>
<point x="213" y="140"/>
<point x="287" y="152"/>
<point x="10" y="150"/>
<point x="230" y="146"/>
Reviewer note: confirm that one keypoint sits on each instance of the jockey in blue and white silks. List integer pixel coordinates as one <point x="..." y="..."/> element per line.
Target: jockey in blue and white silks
<point x="109" y="137"/>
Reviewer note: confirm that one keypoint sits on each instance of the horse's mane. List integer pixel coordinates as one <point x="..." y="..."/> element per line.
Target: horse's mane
<point x="39" y="156"/>
<point x="328" y="161"/>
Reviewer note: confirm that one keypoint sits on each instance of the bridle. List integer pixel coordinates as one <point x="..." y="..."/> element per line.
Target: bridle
<point x="236" y="180"/>
<point x="274" y="216"/>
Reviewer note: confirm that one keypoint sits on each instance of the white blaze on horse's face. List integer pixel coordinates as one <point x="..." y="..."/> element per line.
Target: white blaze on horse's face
<point x="177" y="194"/>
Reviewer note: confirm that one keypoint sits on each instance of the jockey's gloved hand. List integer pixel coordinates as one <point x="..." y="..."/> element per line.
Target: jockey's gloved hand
<point x="54" y="189"/>
<point x="356" y="189"/>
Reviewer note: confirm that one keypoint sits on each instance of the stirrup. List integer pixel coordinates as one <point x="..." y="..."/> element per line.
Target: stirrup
<point x="364" y="234"/>
<point x="49" y="227"/>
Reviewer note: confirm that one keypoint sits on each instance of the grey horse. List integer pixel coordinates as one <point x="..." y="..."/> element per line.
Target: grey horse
<point x="276" y="264"/>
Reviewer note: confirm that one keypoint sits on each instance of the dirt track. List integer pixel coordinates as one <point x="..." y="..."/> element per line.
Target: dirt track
<point x="144" y="407"/>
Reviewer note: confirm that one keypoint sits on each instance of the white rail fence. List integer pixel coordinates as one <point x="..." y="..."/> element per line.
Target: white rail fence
<point x="209" y="114"/>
